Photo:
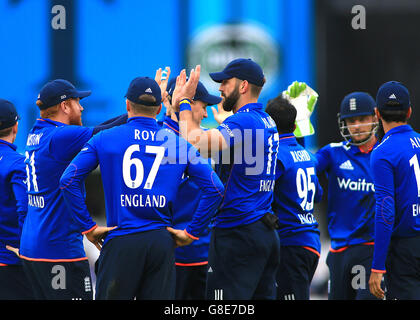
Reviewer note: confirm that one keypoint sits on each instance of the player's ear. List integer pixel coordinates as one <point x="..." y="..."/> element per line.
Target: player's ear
<point x="159" y="110"/>
<point x="378" y="116"/>
<point x="64" y="106"/>
<point x="15" y="127"/>
<point x="128" y="107"/>
<point x="409" y="113"/>
<point x="244" y="86"/>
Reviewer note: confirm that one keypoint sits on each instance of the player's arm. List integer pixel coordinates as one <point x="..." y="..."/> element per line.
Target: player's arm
<point x="318" y="191"/>
<point x="17" y="180"/>
<point x="323" y="159"/>
<point x="384" y="219"/>
<point x="117" y="121"/>
<point x="318" y="188"/>
<point x="68" y="140"/>
<point x="212" y="190"/>
<point x="208" y="142"/>
<point x="71" y="186"/>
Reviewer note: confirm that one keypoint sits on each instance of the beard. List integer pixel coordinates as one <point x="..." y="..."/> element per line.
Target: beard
<point x="75" y="120"/>
<point x="231" y="100"/>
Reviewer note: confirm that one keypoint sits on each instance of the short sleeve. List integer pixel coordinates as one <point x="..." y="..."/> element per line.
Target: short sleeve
<point x="231" y="131"/>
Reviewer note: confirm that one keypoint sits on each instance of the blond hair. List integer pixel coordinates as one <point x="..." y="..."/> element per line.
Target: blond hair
<point x="48" y="112"/>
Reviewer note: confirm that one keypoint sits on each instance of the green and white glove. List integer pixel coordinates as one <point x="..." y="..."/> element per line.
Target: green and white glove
<point x="303" y="99"/>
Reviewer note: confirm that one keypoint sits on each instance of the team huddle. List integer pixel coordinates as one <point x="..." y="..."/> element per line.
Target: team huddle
<point x="194" y="213"/>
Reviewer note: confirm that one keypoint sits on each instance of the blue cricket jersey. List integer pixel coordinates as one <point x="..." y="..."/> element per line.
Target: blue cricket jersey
<point x="395" y="164"/>
<point x="351" y="200"/>
<point x="13" y="201"/>
<point x="247" y="167"/>
<point x="186" y="203"/>
<point x="50" y="232"/>
<point x="141" y="166"/>
<point x="296" y="189"/>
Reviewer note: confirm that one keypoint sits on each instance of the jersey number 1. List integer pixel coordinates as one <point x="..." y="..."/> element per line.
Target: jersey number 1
<point x="415" y="163"/>
<point x="31" y="171"/>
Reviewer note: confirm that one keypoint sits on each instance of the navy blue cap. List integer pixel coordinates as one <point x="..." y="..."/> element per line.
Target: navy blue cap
<point x="8" y="114"/>
<point x="171" y="86"/>
<point x="201" y="93"/>
<point x="357" y="104"/>
<point x="244" y="69"/>
<point x="144" y="85"/>
<point x="57" y="91"/>
<point x="393" y="95"/>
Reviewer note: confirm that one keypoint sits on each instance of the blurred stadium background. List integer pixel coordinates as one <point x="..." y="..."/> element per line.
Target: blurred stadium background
<point x="106" y="43"/>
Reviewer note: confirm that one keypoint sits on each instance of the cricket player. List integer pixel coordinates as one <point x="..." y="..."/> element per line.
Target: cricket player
<point x="13" y="207"/>
<point x="52" y="239"/>
<point x="142" y="166"/>
<point x="396" y="174"/>
<point x="244" y="245"/>
<point x="351" y="211"/>
<point x="191" y="261"/>
<point x="296" y="189"/>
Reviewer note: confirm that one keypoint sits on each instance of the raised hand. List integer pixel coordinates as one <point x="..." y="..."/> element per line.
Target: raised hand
<point x="185" y="89"/>
<point x="220" y="114"/>
<point x="162" y="77"/>
<point x="179" y="84"/>
<point x="303" y="99"/>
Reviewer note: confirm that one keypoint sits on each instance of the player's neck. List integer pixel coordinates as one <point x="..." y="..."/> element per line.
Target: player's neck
<point x="242" y="102"/>
<point x="59" y="118"/>
<point x="367" y="147"/>
<point x="10" y="138"/>
<point x="391" y="125"/>
<point x="132" y="115"/>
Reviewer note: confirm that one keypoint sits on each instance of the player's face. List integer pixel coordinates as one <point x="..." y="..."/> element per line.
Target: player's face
<point x="75" y="116"/>
<point x="229" y="90"/>
<point x="360" y="127"/>
<point x="199" y="111"/>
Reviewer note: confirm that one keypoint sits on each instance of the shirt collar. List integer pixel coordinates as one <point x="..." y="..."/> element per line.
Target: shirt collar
<point x="143" y="120"/>
<point x="250" y="106"/>
<point x="168" y="122"/>
<point x="356" y="149"/>
<point x="288" y="136"/>
<point x="399" y="129"/>
<point x="11" y="145"/>
<point x="44" y="121"/>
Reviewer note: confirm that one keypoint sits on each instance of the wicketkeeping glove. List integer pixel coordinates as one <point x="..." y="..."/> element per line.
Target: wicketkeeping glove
<point x="303" y="99"/>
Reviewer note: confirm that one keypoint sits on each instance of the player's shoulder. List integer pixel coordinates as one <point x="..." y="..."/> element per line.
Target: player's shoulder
<point x="292" y="154"/>
<point x="335" y="147"/>
<point x="11" y="154"/>
<point x="13" y="161"/>
<point x="382" y="146"/>
<point x="168" y="134"/>
<point x="70" y="132"/>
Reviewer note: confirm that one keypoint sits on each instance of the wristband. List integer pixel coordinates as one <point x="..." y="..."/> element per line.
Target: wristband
<point x="184" y="105"/>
